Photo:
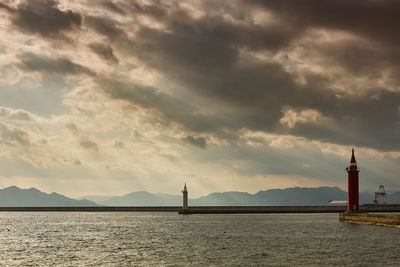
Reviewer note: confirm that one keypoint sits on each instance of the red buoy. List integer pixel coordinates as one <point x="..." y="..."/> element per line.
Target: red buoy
<point x="352" y="184"/>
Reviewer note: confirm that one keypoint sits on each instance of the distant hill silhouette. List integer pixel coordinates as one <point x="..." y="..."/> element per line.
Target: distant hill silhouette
<point x="17" y="197"/>
<point x="95" y="198"/>
<point x="225" y="199"/>
<point x="143" y="198"/>
<point x="296" y="196"/>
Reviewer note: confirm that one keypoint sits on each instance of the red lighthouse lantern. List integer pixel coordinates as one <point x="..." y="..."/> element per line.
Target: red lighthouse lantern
<point x="352" y="184"/>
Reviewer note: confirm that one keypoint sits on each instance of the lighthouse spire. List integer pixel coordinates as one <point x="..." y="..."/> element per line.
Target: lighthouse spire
<point x="353" y="158"/>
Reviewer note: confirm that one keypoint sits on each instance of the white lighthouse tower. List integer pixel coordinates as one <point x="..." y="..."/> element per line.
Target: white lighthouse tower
<point x="185" y="197"/>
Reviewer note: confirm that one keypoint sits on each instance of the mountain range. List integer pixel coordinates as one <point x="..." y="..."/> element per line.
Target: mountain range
<point x="295" y="196"/>
<point x="17" y="197"/>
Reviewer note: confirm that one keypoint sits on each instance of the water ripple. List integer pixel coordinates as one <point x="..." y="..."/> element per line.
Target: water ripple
<point x="143" y="239"/>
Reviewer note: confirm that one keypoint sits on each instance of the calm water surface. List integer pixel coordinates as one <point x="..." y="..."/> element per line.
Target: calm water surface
<point x="127" y="239"/>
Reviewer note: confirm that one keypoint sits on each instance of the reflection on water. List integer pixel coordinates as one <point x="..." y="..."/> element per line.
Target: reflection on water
<point x="120" y="239"/>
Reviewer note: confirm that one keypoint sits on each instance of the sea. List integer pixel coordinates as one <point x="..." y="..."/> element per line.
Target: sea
<point x="169" y="239"/>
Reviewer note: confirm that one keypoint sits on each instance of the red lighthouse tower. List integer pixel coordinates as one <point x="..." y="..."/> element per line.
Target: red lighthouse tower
<point x="352" y="183"/>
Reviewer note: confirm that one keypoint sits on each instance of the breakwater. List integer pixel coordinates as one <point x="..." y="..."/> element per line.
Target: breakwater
<point x="372" y="219"/>
<point x="208" y="209"/>
<point x="95" y="209"/>
<point x="261" y="209"/>
<point x="285" y="209"/>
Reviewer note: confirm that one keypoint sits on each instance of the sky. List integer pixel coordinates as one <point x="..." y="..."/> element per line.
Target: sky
<point x="109" y="97"/>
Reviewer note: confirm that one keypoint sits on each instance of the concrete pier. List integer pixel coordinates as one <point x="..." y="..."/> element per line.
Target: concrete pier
<point x="208" y="209"/>
<point x="261" y="209"/>
<point x="94" y="209"/>
<point x="284" y="209"/>
<point x="392" y="220"/>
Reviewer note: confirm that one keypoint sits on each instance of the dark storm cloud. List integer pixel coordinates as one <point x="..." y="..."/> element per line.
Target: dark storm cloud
<point x="43" y="17"/>
<point x="151" y="8"/>
<point x="13" y="136"/>
<point x="6" y="7"/>
<point x="212" y="31"/>
<point x="107" y="27"/>
<point x="359" y="58"/>
<point x="104" y="51"/>
<point x="204" y="58"/>
<point x="195" y="141"/>
<point x="377" y="20"/>
<point x="210" y="68"/>
<point x="207" y="56"/>
<point x="154" y="8"/>
<point x="109" y="5"/>
<point x="33" y="62"/>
